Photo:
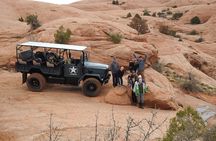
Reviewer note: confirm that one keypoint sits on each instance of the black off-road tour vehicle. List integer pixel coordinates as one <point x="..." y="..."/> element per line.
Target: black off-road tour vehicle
<point x="42" y="63"/>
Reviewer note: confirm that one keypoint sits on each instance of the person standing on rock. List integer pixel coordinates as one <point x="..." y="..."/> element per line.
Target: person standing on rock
<point x="121" y="73"/>
<point x="115" y="72"/>
<point x="133" y="63"/>
<point x="139" y="90"/>
<point x="132" y="78"/>
<point x="141" y="66"/>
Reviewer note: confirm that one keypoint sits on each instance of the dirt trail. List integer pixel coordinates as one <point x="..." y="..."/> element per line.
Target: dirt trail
<point x="25" y="114"/>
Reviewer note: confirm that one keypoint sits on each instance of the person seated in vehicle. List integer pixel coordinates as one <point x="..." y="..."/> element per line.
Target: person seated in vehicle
<point x="39" y="57"/>
<point x="26" y="56"/>
<point x="53" y="58"/>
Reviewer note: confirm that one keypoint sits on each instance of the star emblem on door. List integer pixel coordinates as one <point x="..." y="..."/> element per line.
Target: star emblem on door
<point x="73" y="70"/>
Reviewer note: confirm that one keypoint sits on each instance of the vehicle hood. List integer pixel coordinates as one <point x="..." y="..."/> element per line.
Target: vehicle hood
<point x="96" y="65"/>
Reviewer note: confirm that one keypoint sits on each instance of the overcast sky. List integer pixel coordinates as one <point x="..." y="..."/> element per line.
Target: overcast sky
<point x="59" y="1"/>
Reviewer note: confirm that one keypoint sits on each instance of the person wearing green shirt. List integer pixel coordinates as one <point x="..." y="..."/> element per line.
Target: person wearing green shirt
<point x="139" y="90"/>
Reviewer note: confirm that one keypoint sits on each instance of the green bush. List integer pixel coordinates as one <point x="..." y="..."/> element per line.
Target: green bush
<point x="146" y="13"/>
<point x="115" y="38"/>
<point x="193" y="32"/>
<point x="62" y="35"/>
<point x="186" y="126"/>
<point x="177" y="15"/>
<point x="210" y="134"/>
<point x="195" y="20"/>
<point x="191" y="84"/>
<point x="33" y="21"/>
<point x="139" y="24"/>
<point x="165" y="30"/>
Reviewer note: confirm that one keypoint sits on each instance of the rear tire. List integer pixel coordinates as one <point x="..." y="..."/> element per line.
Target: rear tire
<point x="36" y="82"/>
<point x="91" y="87"/>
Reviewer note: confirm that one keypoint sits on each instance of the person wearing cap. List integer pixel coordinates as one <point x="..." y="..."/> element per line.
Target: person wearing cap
<point x="132" y="78"/>
<point x="139" y="90"/>
<point x="115" y="72"/>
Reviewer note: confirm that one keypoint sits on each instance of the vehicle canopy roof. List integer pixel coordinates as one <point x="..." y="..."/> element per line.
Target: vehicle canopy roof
<point x="53" y="45"/>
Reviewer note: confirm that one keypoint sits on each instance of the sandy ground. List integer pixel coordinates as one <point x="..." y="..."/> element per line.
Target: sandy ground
<point x="24" y="115"/>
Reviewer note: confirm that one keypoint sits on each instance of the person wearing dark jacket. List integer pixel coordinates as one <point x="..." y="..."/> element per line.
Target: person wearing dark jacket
<point x="141" y="66"/>
<point x="115" y="72"/>
<point x="132" y="78"/>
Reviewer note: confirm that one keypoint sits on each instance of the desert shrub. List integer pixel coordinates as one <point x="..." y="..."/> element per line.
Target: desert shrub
<point x="146" y="13"/>
<point x="191" y="84"/>
<point x="33" y="21"/>
<point x="210" y="134"/>
<point x="175" y="6"/>
<point x="186" y="126"/>
<point x="159" y="67"/>
<point x="161" y="15"/>
<point x="139" y="24"/>
<point x="169" y="12"/>
<point x="129" y="15"/>
<point x="199" y="40"/>
<point x="21" y="19"/>
<point x="154" y="14"/>
<point x="195" y="20"/>
<point x="115" y="2"/>
<point x="193" y="32"/>
<point x="62" y="35"/>
<point x="115" y="38"/>
<point x="177" y="15"/>
<point x="165" y="30"/>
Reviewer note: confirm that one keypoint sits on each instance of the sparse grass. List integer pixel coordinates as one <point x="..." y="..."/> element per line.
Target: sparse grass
<point x="177" y="16"/>
<point x="62" y="35"/>
<point x="146" y="13"/>
<point x="161" y="14"/>
<point x="115" y="37"/>
<point x="33" y="21"/>
<point x="139" y="24"/>
<point x="159" y="67"/>
<point x="166" y="30"/>
<point x="195" y="20"/>
<point x="193" y="32"/>
<point x="189" y="83"/>
<point x="210" y="134"/>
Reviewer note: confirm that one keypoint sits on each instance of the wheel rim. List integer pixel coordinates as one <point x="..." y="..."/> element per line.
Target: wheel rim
<point x="35" y="83"/>
<point x="91" y="87"/>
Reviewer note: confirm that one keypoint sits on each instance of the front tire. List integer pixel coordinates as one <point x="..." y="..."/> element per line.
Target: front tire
<point x="91" y="87"/>
<point x="36" y="82"/>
